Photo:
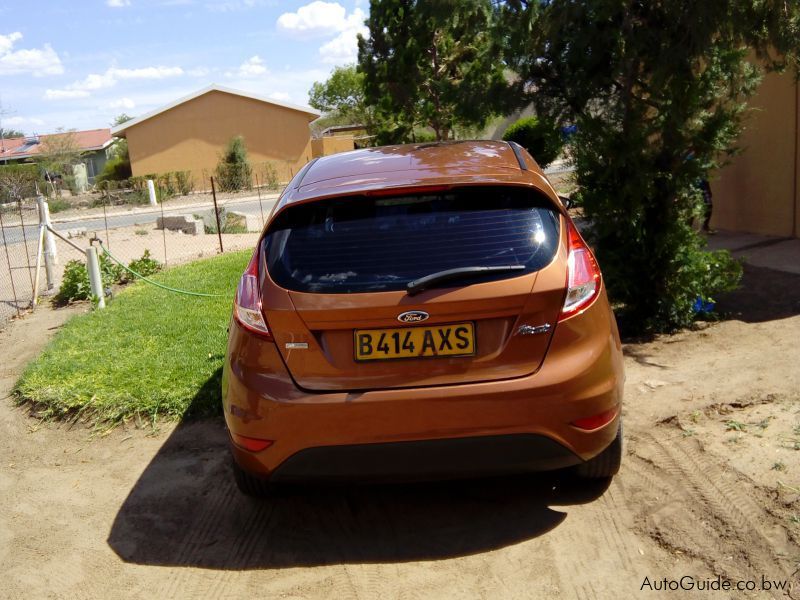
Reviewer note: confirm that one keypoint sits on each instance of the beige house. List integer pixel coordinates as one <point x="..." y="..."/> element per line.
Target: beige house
<point x="191" y="133"/>
<point x="759" y="191"/>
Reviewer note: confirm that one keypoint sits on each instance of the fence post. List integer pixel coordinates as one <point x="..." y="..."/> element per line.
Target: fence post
<point x="151" y="190"/>
<point x="95" y="280"/>
<point x="49" y="249"/>
<point x="216" y="214"/>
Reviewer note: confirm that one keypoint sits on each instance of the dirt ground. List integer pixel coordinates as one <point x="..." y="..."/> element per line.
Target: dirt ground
<point x="710" y="486"/>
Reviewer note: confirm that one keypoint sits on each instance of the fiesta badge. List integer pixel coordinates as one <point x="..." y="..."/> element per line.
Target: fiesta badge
<point x="413" y="316"/>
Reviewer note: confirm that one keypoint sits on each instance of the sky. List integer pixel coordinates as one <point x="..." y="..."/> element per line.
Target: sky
<point x="77" y="64"/>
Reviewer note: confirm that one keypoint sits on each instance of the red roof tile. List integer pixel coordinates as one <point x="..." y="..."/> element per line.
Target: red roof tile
<point x="24" y="147"/>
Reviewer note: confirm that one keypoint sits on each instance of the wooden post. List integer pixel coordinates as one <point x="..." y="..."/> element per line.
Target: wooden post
<point x="216" y="214"/>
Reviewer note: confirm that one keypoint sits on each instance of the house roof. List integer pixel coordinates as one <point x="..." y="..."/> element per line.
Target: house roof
<point x="119" y="130"/>
<point x="27" y="147"/>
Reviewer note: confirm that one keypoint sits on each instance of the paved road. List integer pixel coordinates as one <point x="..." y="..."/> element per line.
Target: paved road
<point x="14" y="233"/>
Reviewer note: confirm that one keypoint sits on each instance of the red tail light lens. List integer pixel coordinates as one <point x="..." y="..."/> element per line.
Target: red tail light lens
<point x="251" y="444"/>
<point x="583" y="275"/>
<point x="247" y="305"/>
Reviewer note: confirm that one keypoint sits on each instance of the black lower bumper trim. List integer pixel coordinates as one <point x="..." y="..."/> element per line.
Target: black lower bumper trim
<point x="427" y="459"/>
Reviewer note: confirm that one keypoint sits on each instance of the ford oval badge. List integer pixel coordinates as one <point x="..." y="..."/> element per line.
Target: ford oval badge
<point x="413" y="316"/>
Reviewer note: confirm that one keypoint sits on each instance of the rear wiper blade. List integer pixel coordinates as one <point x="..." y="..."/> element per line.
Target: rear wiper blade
<point x="423" y="283"/>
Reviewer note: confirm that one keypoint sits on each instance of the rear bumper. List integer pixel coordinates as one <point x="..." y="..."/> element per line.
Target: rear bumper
<point x="426" y="459"/>
<point x="502" y="426"/>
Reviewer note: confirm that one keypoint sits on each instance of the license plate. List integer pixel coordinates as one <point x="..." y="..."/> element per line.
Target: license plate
<point x="415" y="342"/>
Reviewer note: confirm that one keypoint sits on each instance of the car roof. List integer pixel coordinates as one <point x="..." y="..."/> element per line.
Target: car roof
<point x="413" y="165"/>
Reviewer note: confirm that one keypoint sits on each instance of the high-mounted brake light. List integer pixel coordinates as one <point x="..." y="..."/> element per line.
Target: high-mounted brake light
<point x="247" y="305"/>
<point x="583" y="275"/>
<point x="400" y="191"/>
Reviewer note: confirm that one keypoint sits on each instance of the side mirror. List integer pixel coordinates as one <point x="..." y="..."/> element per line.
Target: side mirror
<point x="566" y="201"/>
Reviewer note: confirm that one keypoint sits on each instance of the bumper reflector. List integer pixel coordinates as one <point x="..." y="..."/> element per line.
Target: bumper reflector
<point x="250" y="444"/>
<point x="596" y="421"/>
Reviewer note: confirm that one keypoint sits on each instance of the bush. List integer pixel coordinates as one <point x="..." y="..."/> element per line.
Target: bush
<point x="18" y="182"/>
<point x="75" y="284"/>
<point x="539" y="137"/>
<point x="227" y="224"/>
<point x="184" y="182"/>
<point x="145" y="266"/>
<point x="271" y="177"/>
<point x="58" y="204"/>
<point x="116" y="169"/>
<point x="233" y="172"/>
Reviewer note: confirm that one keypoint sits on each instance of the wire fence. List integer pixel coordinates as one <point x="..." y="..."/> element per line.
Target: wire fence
<point x="178" y="228"/>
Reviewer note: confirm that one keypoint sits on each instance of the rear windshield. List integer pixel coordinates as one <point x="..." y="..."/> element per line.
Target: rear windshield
<point x="369" y="244"/>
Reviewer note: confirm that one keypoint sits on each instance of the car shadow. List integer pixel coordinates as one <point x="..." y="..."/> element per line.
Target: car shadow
<point x="185" y="510"/>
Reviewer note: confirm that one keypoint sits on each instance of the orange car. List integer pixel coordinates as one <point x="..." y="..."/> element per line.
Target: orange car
<point x="416" y="312"/>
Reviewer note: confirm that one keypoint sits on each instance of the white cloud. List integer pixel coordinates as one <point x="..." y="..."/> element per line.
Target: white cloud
<point x="232" y="5"/>
<point x="320" y="18"/>
<point x="198" y="72"/>
<point x="112" y="75"/>
<point x="282" y="96"/>
<point x="122" y="103"/>
<point x="36" y="61"/>
<point x="252" y="67"/>
<point x="65" y="94"/>
<point x="118" y="3"/>
<point x="343" y="48"/>
<point x="18" y="121"/>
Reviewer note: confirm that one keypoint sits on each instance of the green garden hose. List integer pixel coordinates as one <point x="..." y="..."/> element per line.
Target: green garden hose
<point x="155" y="283"/>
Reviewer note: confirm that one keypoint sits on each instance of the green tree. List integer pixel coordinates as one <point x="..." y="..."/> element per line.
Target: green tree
<point x="658" y="92"/>
<point x="342" y="96"/>
<point x="430" y="64"/>
<point x="118" y="167"/>
<point x="7" y="134"/>
<point x="233" y="172"/>
<point x="538" y="136"/>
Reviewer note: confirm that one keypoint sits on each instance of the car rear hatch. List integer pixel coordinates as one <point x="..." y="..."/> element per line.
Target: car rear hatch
<point x="337" y="301"/>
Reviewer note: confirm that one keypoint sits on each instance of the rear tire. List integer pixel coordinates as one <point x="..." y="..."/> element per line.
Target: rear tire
<point x="606" y="464"/>
<point x="249" y="484"/>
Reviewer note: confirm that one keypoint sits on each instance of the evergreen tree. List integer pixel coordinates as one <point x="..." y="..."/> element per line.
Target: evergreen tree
<point x="430" y="64"/>
<point x="658" y="92"/>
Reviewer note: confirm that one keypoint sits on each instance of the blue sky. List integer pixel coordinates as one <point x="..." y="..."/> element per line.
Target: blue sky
<point x="78" y="64"/>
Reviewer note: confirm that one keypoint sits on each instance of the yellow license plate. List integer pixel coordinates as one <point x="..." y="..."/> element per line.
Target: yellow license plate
<point x="415" y="342"/>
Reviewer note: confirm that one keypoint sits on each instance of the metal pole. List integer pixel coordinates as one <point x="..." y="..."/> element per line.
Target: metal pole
<point x="105" y="220"/>
<point x="39" y="248"/>
<point x="8" y="260"/>
<point x="95" y="280"/>
<point x="216" y="214"/>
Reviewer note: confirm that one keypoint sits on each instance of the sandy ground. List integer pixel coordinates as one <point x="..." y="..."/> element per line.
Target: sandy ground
<point x="709" y="416"/>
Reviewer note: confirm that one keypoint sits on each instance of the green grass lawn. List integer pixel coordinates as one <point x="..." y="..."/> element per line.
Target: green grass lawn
<point x="151" y="353"/>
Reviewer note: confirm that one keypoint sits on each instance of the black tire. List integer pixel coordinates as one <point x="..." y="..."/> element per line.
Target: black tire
<point x="606" y="464"/>
<point x="249" y="484"/>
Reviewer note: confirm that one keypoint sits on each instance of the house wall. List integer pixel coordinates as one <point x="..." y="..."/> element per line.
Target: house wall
<point x="192" y="135"/>
<point x="331" y="145"/>
<point x="758" y="191"/>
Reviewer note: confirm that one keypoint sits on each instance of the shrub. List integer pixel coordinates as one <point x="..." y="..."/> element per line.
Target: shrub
<point x="145" y="266"/>
<point x="227" y="224"/>
<point x="75" y="284"/>
<point x="233" y="172"/>
<point x="116" y="169"/>
<point x="184" y="182"/>
<point x="538" y="136"/>
<point x="19" y="181"/>
<point x="58" y="204"/>
<point x="271" y="177"/>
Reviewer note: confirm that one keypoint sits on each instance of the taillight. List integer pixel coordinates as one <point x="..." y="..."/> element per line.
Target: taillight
<point x="247" y="305"/>
<point x="583" y="275"/>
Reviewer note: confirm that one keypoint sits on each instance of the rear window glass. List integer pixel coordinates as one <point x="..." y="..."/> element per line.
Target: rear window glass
<point x="372" y="244"/>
